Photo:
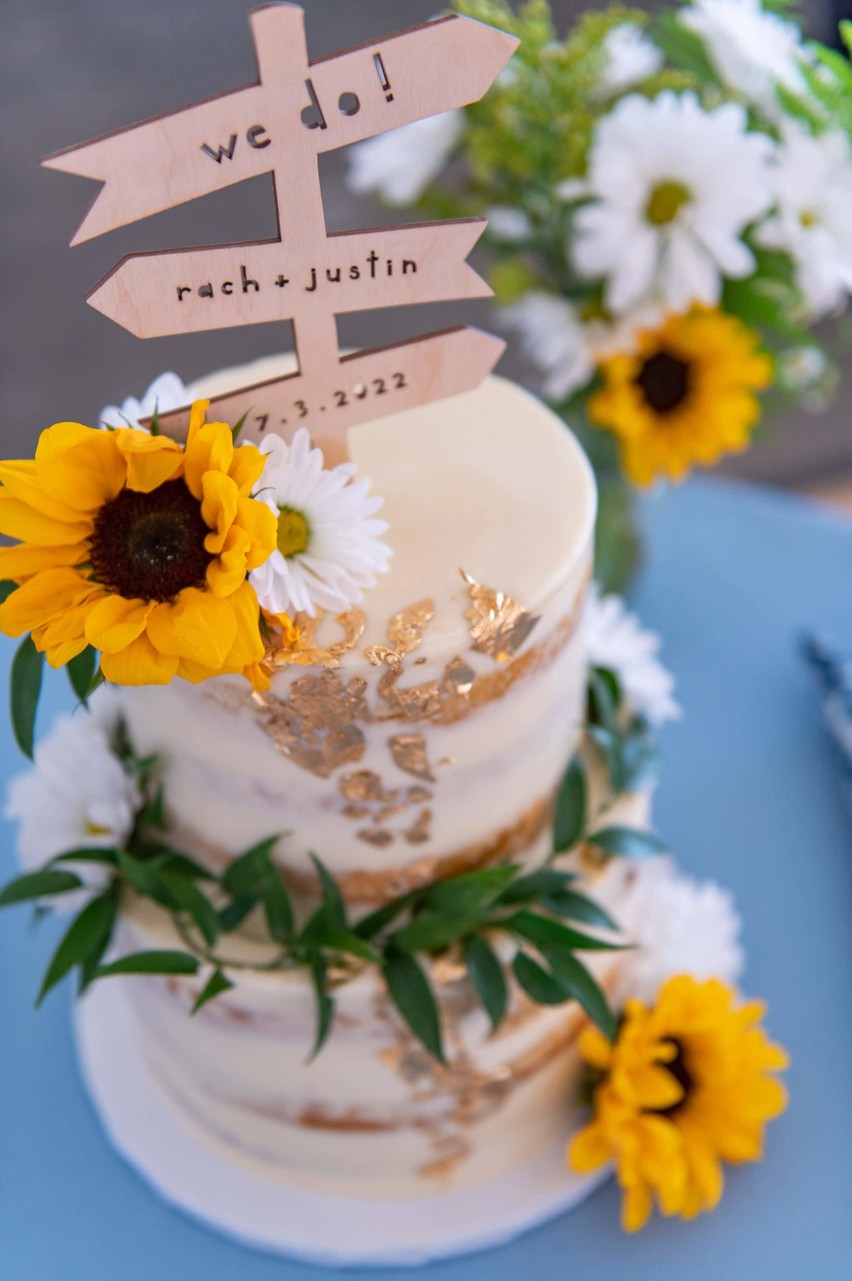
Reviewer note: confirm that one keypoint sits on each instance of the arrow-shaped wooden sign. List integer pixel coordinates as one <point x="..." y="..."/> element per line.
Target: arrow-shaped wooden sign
<point x="297" y="110"/>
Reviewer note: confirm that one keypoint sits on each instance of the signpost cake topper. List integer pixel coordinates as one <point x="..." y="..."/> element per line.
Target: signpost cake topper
<point x="297" y="110"/>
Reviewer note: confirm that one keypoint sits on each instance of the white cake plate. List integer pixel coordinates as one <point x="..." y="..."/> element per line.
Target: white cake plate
<point x="247" y="1202"/>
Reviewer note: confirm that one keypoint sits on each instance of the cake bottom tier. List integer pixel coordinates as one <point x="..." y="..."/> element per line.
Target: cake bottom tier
<point x="373" y="1115"/>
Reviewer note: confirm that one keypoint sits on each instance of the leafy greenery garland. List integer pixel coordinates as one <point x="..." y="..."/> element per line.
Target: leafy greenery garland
<point x="539" y="910"/>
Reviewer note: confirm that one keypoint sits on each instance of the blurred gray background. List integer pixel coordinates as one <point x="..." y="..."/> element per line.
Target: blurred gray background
<point x="72" y="69"/>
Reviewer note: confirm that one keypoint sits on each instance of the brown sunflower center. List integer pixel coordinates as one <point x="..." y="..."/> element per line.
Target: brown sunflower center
<point x="677" y="1067"/>
<point x="664" y="381"/>
<point x="150" y="546"/>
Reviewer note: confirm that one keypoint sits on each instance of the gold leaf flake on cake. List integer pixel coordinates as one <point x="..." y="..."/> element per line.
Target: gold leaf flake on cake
<point x="307" y="652"/>
<point x="365" y="785"/>
<point x="421" y="829"/>
<point x="315" y="726"/>
<point x="498" y="624"/>
<point x="378" y="836"/>
<point x="459" y="676"/>
<point x="409" y="753"/>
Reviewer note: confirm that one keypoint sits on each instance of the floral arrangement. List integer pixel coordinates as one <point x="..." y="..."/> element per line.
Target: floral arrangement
<point x="668" y="217"/>
<point x="141" y="559"/>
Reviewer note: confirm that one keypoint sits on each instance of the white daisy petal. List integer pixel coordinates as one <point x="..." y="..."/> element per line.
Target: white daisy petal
<point x="678" y="926"/>
<point x="673" y="188"/>
<point x="399" y="165"/>
<point x="752" y="50"/>
<point x="615" y="639"/>
<point x="342" y="553"/>
<point x="77" y="794"/>
<point x="166" y="392"/>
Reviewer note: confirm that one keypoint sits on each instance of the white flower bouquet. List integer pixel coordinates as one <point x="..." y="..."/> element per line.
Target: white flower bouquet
<point x="669" y="202"/>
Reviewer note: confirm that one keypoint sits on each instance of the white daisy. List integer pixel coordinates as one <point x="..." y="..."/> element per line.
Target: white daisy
<point x="614" y="638"/>
<point x="679" y="926"/>
<point x="630" y="58"/>
<point x="77" y="794"/>
<point x="399" y="165"/>
<point x="674" y="188"/>
<point x="567" y="345"/>
<point x="813" y="217"/>
<point x="752" y="51"/>
<point x="512" y="226"/>
<point x="166" y="392"/>
<point x="329" y="547"/>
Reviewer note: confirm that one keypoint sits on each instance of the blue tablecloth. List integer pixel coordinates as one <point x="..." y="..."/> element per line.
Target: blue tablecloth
<point x="749" y="795"/>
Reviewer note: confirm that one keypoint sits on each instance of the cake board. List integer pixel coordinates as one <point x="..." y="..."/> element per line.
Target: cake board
<point x="249" y="1202"/>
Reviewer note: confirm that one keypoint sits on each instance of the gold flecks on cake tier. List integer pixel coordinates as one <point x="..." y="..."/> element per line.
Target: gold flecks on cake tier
<point x="499" y="626"/>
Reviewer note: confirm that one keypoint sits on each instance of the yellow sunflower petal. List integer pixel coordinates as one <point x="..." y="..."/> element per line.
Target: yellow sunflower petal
<point x="248" y="646"/>
<point x="139" y="663"/>
<point x="595" y="1048"/>
<point x="210" y="448"/>
<point x="198" y="626"/>
<point x="218" y="508"/>
<point x="261" y="524"/>
<point x="114" y="622"/>
<point x="28" y="559"/>
<point x="79" y="465"/>
<point x="150" y="460"/>
<point x="588" y="1150"/>
<point x="19" y="479"/>
<point x="40" y="599"/>
<point x="247" y="468"/>
<point x="228" y="570"/>
<point x="19" y="520"/>
<point x="65" y="635"/>
<point x="636" y="1207"/>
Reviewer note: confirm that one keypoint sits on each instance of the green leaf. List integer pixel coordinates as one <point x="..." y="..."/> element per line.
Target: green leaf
<point x="153" y="814"/>
<point x="470" y="892"/>
<point x="630" y="842"/>
<point x="145" y="877"/>
<point x="34" y="885"/>
<point x="576" y="907"/>
<point x="486" y="975"/>
<point x="215" y="986"/>
<point x="345" y="941"/>
<point x="570" y="818"/>
<point x="324" y="1004"/>
<point x="233" y="914"/>
<point x="543" y="929"/>
<point x="155" y="962"/>
<point x="372" y="924"/>
<point x="573" y="976"/>
<point x="87" y="854"/>
<point x="432" y="933"/>
<point x="81" y="672"/>
<point x="191" y="900"/>
<point x="154" y="424"/>
<point x="246" y="875"/>
<point x="411" y="993"/>
<point x="683" y="48"/>
<point x="6" y="589"/>
<point x="87" y="936"/>
<point x="332" y="899"/>
<point x="277" y="907"/>
<point x="604" y="698"/>
<point x="537" y="982"/>
<point x="238" y="426"/>
<point x="536" y="885"/>
<point x="25" y="688"/>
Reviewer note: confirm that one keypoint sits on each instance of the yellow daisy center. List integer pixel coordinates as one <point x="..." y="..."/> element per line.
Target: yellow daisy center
<point x="664" y="381"/>
<point x="808" y="218"/>
<point x="150" y="546"/>
<point x="294" y="532"/>
<point x="665" y="202"/>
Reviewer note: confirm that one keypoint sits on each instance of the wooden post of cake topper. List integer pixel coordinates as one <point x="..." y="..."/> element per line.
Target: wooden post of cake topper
<point x="281" y="124"/>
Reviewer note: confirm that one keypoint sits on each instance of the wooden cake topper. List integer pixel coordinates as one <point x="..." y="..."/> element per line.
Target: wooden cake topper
<point x="297" y="110"/>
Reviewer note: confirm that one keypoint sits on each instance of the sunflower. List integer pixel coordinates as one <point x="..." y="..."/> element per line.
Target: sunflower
<point x="684" y="395"/>
<point x="139" y="547"/>
<point x="685" y="1086"/>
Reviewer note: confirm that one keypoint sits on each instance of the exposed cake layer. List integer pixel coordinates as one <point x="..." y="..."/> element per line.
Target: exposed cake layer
<point x="373" y="1114"/>
<point x="426" y="731"/>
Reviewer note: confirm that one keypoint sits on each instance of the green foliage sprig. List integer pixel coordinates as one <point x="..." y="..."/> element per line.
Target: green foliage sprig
<point x="533" y="922"/>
